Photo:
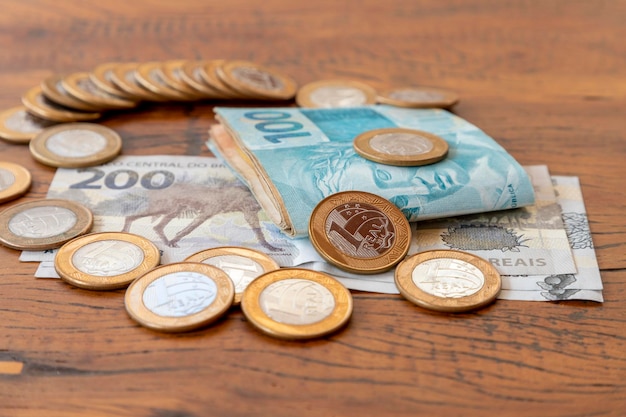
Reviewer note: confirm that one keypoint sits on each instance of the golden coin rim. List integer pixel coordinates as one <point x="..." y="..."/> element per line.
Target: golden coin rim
<point x="98" y="78"/>
<point x="211" y="76"/>
<point x="267" y="263"/>
<point x="486" y="295"/>
<point x="23" y="180"/>
<point x="450" y="98"/>
<point x="51" y="92"/>
<point x="336" y="320"/>
<point x="44" y="111"/>
<point x="321" y="242"/>
<point x="142" y="75"/>
<point x="63" y="261"/>
<point x="70" y="83"/>
<point x="187" y="71"/>
<point x="135" y="90"/>
<point x="287" y="92"/>
<point x="136" y="309"/>
<point x="14" y="136"/>
<point x="439" y="152"/>
<point x="303" y="96"/>
<point x="42" y="154"/>
<point x="84" y="222"/>
<point x="179" y="84"/>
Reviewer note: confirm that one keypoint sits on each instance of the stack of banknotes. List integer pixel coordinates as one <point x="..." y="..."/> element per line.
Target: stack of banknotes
<point x="275" y="164"/>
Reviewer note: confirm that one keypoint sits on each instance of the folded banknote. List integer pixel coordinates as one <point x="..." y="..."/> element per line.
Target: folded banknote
<point x="291" y="158"/>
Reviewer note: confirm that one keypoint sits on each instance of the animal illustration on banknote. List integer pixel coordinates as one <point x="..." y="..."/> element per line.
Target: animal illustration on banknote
<point x="483" y="237"/>
<point x="554" y="286"/>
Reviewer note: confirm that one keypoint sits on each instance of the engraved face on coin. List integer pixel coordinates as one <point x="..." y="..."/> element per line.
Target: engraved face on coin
<point x="242" y="265"/>
<point x="105" y="261"/>
<point x="335" y="93"/>
<point x="76" y="145"/>
<point x="255" y="80"/>
<point x="402" y="147"/>
<point x="43" y="224"/>
<point x="418" y="97"/>
<point x="15" y="180"/>
<point x="447" y="280"/>
<point x="359" y="232"/>
<point x="179" y="297"/>
<point x="19" y="126"/>
<point x="297" y="303"/>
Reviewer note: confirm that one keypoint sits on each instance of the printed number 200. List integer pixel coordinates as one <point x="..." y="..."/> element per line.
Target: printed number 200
<point x="153" y="180"/>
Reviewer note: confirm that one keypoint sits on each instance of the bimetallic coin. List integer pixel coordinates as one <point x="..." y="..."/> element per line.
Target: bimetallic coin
<point x="123" y="76"/>
<point x="43" y="224"/>
<point x="150" y="75"/>
<point x="102" y="77"/>
<point x="37" y="104"/>
<point x="335" y="93"/>
<point x="242" y="265"/>
<point x="210" y="76"/>
<point x="173" y="76"/>
<point x="83" y="88"/>
<point x="52" y="88"/>
<point x="418" y="97"/>
<point x="74" y="145"/>
<point x="257" y="81"/>
<point x="191" y="73"/>
<point x="295" y="303"/>
<point x="448" y="280"/>
<point x="179" y="297"/>
<point x="105" y="261"/>
<point x="359" y="232"/>
<point x="402" y="147"/>
<point x="14" y="181"/>
<point x="17" y="125"/>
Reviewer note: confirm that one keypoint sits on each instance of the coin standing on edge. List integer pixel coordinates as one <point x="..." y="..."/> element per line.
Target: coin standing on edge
<point x="43" y="224"/>
<point x="359" y="232"/>
<point x="294" y="303"/>
<point x="150" y="76"/>
<point x="257" y="81"/>
<point x="105" y="261"/>
<point x="17" y="125"/>
<point x="335" y="93"/>
<point x="210" y="76"/>
<point x="448" y="280"/>
<point x="401" y="147"/>
<point x="123" y="76"/>
<point x="418" y="97"/>
<point x="179" y="297"/>
<point x="75" y="145"/>
<point x="37" y="104"/>
<point x="15" y="181"/>
<point x="102" y="77"/>
<point x="243" y="265"/>
<point x="53" y="89"/>
<point x="191" y="73"/>
<point x="83" y="88"/>
<point x="172" y="75"/>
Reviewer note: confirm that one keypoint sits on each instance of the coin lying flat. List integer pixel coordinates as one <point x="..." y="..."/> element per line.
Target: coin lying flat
<point x="359" y="232"/>
<point x="83" y="88"/>
<point x="53" y="89"/>
<point x="14" y="181"/>
<point x="403" y="147"/>
<point x="242" y="265"/>
<point x="123" y="76"/>
<point x="295" y="303"/>
<point x="335" y="93"/>
<point x="74" y="145"/>
<point x="191" y="73"/>
<point x="150" y="76"/>
<point x="448" y="280"/>
<point x="102" y="77"/>
<point x="43" y="224"/>
<point x="257" y="81"/>
<point x="179" y="297"/>
<point x="105" y="261"/>
<point x="37" y="104"/>
<point x="17" y="125"/>
<point x="418" y="97"/>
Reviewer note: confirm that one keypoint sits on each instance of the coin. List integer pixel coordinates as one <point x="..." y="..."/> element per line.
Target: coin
<point x="43" y="224"/>
<point x="210" y="76"/>
<point x="80" y="86"/>
<point x="402" y="147"/>
<point x="14" y="181"/>
<point x="37" y="104"/>
<point x="293" y="303"/>
<point x="17" y="125"/>
<point x="172" y="75"/>
<point x="359" y="232"/>
<point x="191" y="73"/>
<point x="106" y="260"/>
<point x="242" y="265"/>
<point x="257" y="81"/>
<point x="74" y="145"/>
<point x="52" y="88"/>
<point x="418" y="97"/>
<point x="150" y="76"/>
<point x="448" y="280"/>
<point x="102" y="77"/>
<point x="123" y="76"/>
<point x="335" y="93"/>
<point x="179" y="297"/>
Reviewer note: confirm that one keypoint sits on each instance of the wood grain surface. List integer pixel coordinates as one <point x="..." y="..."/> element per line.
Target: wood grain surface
<point x="546" y="79"/>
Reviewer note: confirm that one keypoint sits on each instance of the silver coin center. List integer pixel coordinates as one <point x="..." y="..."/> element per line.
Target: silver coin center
<point x="76" y="143"/>
<point x="330" y="96"/>
<point x="7" y="179"/>
<point x="106" y="258"/>
<point x="259" y="79"/>
<point x="87" y="85"/>
<point x="21" y="121"/>
<point x="448" y="278"/>
<point x="297" y="301"/>
<point x="180" y="294"/>
<point x="241" y="270"/>
<point x="401" y="144"/>
<point x="42" y="222"/>
<point x="417" y="96"/>
<point x="157" y="76"/>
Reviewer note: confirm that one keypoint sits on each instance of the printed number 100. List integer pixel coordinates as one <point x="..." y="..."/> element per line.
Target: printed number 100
<point x="275" y="124"/>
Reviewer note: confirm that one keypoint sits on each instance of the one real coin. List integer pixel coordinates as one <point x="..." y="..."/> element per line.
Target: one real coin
<point x="335" y="93"/>
<point x="418" y="97"/>
<point x="17" y="125"/>
<point x="37" y="104"/>
<point x="257" y="81"/>
<point x="15" y="181"/>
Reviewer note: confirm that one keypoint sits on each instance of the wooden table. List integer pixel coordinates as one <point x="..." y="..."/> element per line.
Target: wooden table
<point x="546" y="79"/>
